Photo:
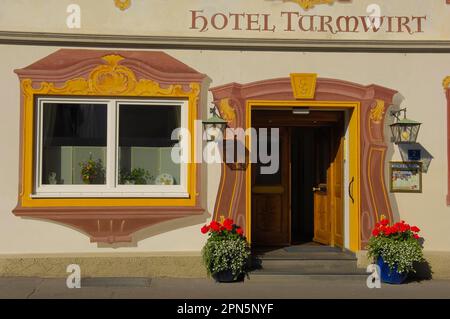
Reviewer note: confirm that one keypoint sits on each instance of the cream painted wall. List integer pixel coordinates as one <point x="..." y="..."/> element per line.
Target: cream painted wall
<point x="144" y="18"/>
<point x="418" y="77"/>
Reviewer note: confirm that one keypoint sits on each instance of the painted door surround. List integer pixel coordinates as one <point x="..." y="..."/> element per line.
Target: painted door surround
<point x="374" y="100"/>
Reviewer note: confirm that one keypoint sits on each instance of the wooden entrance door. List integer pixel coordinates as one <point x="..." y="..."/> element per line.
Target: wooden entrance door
<point x="328" y="192"/>
<point x="322" y="216"/>
<point x="337" y="184"/>
<point x="271" y="198"/>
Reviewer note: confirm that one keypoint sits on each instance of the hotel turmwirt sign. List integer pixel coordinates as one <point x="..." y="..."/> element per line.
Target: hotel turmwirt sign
<point x="327" y="20"/>
<point x="303" y="22"/>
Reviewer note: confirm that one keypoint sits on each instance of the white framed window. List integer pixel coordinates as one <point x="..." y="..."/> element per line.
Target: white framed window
<point x="109" y="148"/>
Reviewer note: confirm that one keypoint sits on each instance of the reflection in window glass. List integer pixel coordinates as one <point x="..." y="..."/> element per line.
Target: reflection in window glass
<point x="145" y="144"/>
<point x="73" y="143"/>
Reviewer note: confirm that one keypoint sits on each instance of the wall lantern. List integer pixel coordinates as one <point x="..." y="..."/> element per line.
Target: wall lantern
<point x="214" y="126"/>
<point x="404" y="130"/>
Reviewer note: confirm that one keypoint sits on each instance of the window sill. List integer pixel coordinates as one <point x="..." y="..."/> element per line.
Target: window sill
<point x="111" y="195"/>
<point x="109" y="224"/>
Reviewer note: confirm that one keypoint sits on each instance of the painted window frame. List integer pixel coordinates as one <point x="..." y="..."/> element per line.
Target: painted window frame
<point x="111" y="188"/>
<point x="105" y="74"/>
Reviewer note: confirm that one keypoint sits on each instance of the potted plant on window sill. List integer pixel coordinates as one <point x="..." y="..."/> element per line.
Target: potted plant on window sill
<point x="137" y="176"/>
<point x="92" y="171"/>
<point x="395" y="249"/>
<point x="226" y="251"/>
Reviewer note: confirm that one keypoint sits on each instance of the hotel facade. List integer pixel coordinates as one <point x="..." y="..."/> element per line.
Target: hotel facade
<point x="95" y="93"/>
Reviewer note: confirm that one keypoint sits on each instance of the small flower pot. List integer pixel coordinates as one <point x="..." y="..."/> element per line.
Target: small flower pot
<point x="390" y="276"/>
<point x="227" y="276"/>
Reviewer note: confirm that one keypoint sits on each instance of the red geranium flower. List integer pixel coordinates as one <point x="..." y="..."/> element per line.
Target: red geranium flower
<point x="416" y="236"/>
<point x="215" y="226"/>
<point x="415" y="229"/>
<point x="384" y="222"/>
<point x="228" y="224"/>
<point x="239" y="231"/>
<point x="205" y="229"/>
<point x="375" y="232"/>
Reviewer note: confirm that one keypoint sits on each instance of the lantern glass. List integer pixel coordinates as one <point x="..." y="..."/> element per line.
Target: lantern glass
<point x="214" y="127"/>
<point x="405" y="131"/>
<point x="213" y="131"/>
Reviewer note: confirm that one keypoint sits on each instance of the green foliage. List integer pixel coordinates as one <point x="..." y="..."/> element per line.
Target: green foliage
<point x="226" y="250"/>
<point x="137" y="176"/>
<point x="400" y="251"/>
<point x="226" y="254"/>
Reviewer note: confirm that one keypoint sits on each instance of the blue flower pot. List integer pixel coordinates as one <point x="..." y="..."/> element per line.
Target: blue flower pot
<point x="390" y="276"/>
<point x="227" y="276"/>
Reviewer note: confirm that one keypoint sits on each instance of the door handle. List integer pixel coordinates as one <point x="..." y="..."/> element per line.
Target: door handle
<point x="320" y="188"/>
<point x="350" y="190"/>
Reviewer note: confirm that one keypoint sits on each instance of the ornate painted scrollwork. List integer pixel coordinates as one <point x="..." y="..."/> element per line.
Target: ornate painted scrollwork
<point x="122" y="4"/>
<point x="309" y="4"/>
<point x="111" y="79"/>
<point x="446" y="83"/>
<point x="377" y="111"/>
<point x="227" y="112"/>
<point x="304" y="85"/>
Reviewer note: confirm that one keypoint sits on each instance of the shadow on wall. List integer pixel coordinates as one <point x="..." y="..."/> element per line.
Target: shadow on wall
<point x="397" y="101"/>
<point x="405" y="152"/>
<point x="203" y="102"/>
<point x="159" y="229"/>
<point x="423" y="269"/>
<point x="142" y="234"/>
<point x="425" y="156"/>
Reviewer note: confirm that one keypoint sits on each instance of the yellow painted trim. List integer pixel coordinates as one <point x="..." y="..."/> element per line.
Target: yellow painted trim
<point x="304" y="85"/>
<point x="309" y="4"/>
<point x="354" y="155"/>
<point x="446" y="83"/>
<point x="224" y="170"/>
<point x="385" y="195"/>
<point x="355" y="170"/>
<point x="125" y="84"/>
<point x="230" y="212"/>
<point x="372" y="198"/>
<point x="248" y="175"/>
<point x="122" y="4"/>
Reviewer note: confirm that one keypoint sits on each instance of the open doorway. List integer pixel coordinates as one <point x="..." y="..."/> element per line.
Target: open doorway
<point x="303" y="202"/>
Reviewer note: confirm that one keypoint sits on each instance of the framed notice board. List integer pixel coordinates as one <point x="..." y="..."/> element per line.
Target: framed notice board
<point x="405" y="177"/>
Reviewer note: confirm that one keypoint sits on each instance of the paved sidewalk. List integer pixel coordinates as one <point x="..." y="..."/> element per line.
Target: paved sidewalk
<point x="257" y="287"/>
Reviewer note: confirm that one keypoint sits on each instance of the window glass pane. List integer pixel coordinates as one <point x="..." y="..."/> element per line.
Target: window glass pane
<point x="74" y="143"/>
<point x="145" y="144"/>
